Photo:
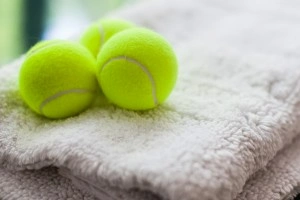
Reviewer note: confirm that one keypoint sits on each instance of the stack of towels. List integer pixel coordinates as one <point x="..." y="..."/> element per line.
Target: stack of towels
<point x="229" y="131"/>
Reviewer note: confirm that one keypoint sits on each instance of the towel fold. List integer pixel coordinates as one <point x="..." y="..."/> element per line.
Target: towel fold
<point x="235" y="106"/>
<point x="42" y="184"/>
<point x="279" y="180"/>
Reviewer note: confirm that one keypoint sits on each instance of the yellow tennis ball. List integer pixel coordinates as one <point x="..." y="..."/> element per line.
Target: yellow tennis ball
<point x="98" y="33"/>
<point x="137" y="69"/>
<point x="57" y="79"/>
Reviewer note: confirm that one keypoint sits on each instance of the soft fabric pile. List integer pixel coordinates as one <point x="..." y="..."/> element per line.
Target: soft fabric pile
<point x="228" y="131"/>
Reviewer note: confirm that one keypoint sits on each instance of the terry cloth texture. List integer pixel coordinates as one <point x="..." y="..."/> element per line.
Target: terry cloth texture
<point x="235" y="106"/>
<point x="44" y="184"/>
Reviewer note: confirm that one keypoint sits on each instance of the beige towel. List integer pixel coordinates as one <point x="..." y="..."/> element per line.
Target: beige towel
<point x="235" y="106"/>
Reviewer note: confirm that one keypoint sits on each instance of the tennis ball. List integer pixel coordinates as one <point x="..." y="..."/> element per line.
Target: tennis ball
<point x="57" y="78"/>
<point x="137" y="69"/>
<point x="98" y="33"/>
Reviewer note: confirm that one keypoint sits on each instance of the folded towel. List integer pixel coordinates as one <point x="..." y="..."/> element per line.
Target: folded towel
<point x="41" y="184"/>
<point x="279" y="180"/>
<point x="235" y="106"/>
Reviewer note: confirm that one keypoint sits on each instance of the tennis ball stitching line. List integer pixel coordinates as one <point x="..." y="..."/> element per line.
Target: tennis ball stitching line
<point x="41" y="48"/>
<point x="102" y="33"/>
<point x="59" y="94"/>
<point x="144" y="68"/>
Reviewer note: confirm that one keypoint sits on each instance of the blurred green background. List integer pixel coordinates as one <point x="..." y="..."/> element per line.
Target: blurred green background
<point x="24" y="22"/>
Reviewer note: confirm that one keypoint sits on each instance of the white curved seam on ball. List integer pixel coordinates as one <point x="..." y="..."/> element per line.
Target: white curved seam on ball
<point x="102" y="34"/>
<point x="142" y="67"/>
<point x="41" y="48"/>
<point x="59" y="94"/>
